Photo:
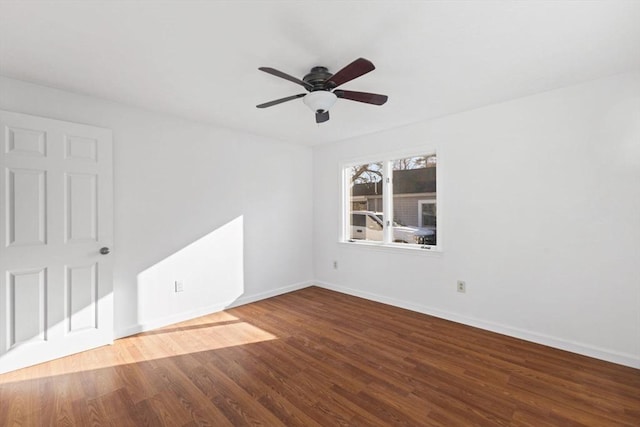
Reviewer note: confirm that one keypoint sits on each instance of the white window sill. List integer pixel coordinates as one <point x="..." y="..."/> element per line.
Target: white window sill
<point x="394" y="247"/>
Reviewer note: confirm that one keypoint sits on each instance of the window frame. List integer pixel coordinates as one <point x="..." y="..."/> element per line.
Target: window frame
<point x="387" y="160"/>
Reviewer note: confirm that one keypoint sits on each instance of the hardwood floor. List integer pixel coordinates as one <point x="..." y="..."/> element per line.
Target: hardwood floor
<point x="320" y="358"/>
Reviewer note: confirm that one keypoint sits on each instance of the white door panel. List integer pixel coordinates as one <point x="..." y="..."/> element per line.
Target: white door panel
<point x="26" y="307"/>
<point x="26" y="201"/>
<point x="81" y="284"/>
<point x="82" y="207"/>
<point x="56" y="213"/>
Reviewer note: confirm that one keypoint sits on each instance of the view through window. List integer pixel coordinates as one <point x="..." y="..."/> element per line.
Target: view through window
<point x="393" y="201"/>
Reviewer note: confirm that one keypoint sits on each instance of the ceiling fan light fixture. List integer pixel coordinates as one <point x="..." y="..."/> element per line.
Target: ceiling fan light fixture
<point x="320" y="100"/>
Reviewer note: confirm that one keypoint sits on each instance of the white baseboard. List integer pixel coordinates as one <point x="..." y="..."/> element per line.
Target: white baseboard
<point x="247" y="299"/>
<point x="550" y="341"/>
<point x="202" y="311"/>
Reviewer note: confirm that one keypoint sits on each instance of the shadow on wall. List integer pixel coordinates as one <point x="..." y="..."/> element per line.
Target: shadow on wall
<point x="204" y="276"/>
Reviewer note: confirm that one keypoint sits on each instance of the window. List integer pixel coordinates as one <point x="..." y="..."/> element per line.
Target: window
<point x="392" y="202"/>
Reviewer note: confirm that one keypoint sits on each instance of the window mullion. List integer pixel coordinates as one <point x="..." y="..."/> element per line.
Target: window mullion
<point x="387" y="201"/>
<point x="346" y="205"/>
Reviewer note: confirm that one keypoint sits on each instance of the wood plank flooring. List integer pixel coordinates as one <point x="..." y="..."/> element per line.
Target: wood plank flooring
<point x="319" y="358"/>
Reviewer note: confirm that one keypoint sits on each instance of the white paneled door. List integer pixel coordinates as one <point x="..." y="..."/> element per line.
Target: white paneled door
<point x="56" y="232"/>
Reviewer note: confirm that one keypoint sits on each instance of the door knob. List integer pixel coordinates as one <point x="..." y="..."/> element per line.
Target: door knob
<point x="104" y="251"/>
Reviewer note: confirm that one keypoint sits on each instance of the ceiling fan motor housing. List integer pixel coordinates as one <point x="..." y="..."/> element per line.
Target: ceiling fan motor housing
<point x="317" y="77"/>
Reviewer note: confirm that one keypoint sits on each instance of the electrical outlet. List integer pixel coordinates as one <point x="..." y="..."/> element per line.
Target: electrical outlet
<point x="335" y="265"/>
<point x="179" y="286"/>
<point x="462" y="286"/>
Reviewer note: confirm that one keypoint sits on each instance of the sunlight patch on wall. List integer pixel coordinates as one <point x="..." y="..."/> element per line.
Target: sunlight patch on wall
<point x="207" y="273"/>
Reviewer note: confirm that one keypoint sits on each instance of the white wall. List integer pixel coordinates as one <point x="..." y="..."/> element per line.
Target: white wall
<point x="226" y="212"/>
<point x="541" y="204"/>
<point x="541" y="201"/>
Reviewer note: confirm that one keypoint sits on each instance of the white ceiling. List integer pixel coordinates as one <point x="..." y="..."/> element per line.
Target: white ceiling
<point x="199" y="59"/>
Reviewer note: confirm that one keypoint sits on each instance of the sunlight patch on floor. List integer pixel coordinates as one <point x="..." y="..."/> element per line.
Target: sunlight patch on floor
<point x="208" y="333"/>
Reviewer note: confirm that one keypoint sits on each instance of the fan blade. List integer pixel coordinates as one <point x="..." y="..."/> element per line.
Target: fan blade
<point x="356" y="69"/>
<point x="322" y="117"/>
<point x="285" y="76"/>
<point x="369" y="98"/>
<point x="280" y="101"/>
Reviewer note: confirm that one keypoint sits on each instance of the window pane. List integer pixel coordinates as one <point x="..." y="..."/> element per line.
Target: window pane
<point x="358" y="220"/>
<point x="365" y="199"/>
<point x="428" y="213"/>
<point x="414" y="183"/>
